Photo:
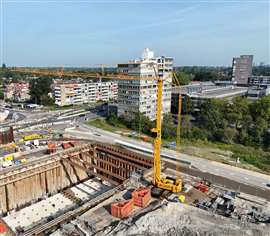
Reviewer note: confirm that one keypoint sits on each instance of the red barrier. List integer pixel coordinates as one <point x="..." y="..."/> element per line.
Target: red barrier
<point x="141" y="197"/>
<point x="202" y="187"/>
<point x="51" y="148"/>
<point x="3" y="228"/>
<point x="122" y="209"/>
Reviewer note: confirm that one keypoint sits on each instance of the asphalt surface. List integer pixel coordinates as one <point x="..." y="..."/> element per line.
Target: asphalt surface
<point x="84" y="131"/>
<point x="204" y="165"/>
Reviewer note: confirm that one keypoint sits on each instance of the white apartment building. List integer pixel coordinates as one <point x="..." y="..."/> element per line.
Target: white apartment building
<point x="74" y="93"/>
<point x="141" y="95"/>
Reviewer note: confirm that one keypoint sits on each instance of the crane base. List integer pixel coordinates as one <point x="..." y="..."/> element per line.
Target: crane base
<point x="156" y="192"/>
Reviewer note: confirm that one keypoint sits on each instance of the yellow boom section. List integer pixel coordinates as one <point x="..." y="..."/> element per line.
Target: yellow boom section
<point x="173" y="185"/>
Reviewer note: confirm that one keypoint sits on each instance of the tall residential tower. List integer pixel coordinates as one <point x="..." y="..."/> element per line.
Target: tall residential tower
<point x="242" y="69"/>
<point x="140" y="95"/>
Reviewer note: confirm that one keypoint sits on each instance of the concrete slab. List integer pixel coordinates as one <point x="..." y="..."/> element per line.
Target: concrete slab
<point x="38" y="211"/>
<point x="53" y="205"/>
<point x="89" y="189"/>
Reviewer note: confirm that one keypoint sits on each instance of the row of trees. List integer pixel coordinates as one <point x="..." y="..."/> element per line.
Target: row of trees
<point x="14" y="76"/>
<point x="238" y="121"/>
<point x="203" y="73"/>
<point x="143" y="124"/>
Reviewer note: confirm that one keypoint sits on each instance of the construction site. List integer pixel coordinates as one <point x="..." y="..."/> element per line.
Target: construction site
<point x="67" y="185"/>
<point x="99" y="189"/>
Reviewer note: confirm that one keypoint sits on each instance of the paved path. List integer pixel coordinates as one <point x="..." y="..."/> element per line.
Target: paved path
<point x="234" y="173"/>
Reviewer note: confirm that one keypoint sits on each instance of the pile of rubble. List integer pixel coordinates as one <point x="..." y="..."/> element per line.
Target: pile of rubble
<point x="169" y="218"/>
<point x="229" y="205"/>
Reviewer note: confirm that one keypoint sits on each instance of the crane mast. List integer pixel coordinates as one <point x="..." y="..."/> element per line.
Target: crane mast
<point x="171" y="184"/>
<point x="157" y="131"/>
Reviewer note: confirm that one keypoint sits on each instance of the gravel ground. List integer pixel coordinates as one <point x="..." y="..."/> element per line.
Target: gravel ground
<point x="178" y="219"/>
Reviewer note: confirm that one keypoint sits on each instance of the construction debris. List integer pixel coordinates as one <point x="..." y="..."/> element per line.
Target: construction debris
<point x="180" y="219"/>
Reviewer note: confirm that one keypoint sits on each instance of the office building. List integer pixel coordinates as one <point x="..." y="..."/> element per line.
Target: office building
<point x="242" y="69"/>
<point x="141" y="95"/>
<point x="259" y="80"/>
<point x="79" y="92"/>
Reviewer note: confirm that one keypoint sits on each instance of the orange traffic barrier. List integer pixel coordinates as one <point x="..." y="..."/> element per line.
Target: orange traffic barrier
<point x="122" y="209"/>
<point x="141" y="197"/>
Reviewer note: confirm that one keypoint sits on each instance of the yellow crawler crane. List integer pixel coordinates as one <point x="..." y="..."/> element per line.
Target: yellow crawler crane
<point x="168" y="183"/>
<point x="171" y="184"/>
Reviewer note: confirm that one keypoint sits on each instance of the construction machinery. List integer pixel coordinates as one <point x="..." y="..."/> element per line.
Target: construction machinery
<point x="179" y="118"/>
<point x="164" y="183"/>
<point x="32" y="137"/>
<point x="171" y="184"/>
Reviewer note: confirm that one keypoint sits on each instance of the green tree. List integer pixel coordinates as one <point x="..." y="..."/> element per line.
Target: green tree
<point x="168" y="127"/>
<point x="266" y="140"/>
<point x="39" y="89"/>
<point x="140" y="123"/>
<point x="261" y="108"/>
<point x="198" y="133"/>
<point x="112" y="119"/>
<point x="205" y="76"/>
<point x="259" y="130"/>
<point x="229" y="135"/>
<point x="238" y="117"/>
<point x="1" y="95"/>
<point x="183" y="78"/>
<point x="212" y="118"/>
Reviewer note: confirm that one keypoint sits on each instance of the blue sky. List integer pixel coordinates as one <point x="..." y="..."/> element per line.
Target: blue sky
<point x="88" y="33"/>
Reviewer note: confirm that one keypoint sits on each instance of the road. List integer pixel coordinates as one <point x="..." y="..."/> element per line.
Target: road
<point x="231" y="172"/>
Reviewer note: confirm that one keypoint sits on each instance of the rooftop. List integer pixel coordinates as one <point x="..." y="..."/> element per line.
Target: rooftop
<point x="221" y="92"/>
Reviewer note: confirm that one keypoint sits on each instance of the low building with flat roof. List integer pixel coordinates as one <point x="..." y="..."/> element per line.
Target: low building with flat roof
<point x="256" y="92"/>
<point x="76" y="92"/>
<point x="259" y="80"/>
<point x="199" y="92"/>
